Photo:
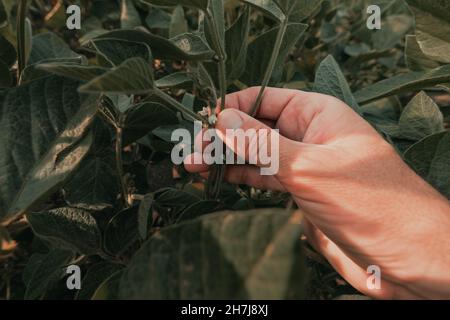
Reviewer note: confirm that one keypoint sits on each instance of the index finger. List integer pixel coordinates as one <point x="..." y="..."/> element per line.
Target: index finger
<point x="273" y="104"/>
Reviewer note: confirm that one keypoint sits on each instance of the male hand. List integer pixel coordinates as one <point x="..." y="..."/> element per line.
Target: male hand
<point x="363" y="205"/>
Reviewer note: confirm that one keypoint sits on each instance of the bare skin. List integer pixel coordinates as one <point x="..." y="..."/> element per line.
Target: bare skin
<point x="363" y="205"/>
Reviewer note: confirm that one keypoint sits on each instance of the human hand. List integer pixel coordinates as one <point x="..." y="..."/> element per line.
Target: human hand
<point x="363" y="205"/>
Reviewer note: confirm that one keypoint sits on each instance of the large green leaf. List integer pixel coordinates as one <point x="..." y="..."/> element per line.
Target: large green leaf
<point x="109" y="289"/>
<point x="94" y="277"/>
<point x="187" y="46"/>
<point x="34" y="72"/>
<point x="421" y="118"/>
<point x="170" y="203"/>
<point x="229" y="255"/>
<point x="8" y="53"/>
<point x="293" y="10"/>
<point x="433" y="28"/>
<point x="134" y="76"/>
<point x="116" y="51"/>
<point x="430" y="159"/>
<point x="44" y="133"/>
<point x="45" y="272"/>
<point x="5" y="75"/>
<point x="145" y="118"/>
<point x="403" y="83"/>
<point x="330" y="80"/>
<point x="258" y="56"/>
<point x="298" y="10"/>
<point x="236" y="44"/>
<point x="175" y="80"/>
<point x="3" y="16"/>
<point x="199" y="4"/>
<point x="68" y="228"/>
<point x="215" y="26"/>
<point x="392" y="32"/>
<point x="96" y="181"/>
<point x="269" y="7"/>
<point x="47" y="46"/>
<point x="415" y="58"/>
<point x="72" y="70"/>
<point x="121" y="232"/>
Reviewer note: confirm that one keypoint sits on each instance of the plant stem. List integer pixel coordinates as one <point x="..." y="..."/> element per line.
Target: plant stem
<point x="21" y="18"/>
<point x="271" y="67"/>
<point x="222" y="83"/>
<point x="217" y="172"/>
<point x="214" y="183"/>
<point x="119" y="164"/>
<point x="222" y="57"/>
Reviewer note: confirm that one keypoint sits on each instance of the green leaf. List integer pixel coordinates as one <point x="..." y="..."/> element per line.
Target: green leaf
<point x="109" y="288"/>
<point x="421" y="118"/>
<point x="433" y="28"/>
<point x="215" y="26"/>
<point x="5" y="75"/>
<point x="175" y="80"/>
<point x="32" y="264"/>
<point x="68" y="228"/>
<point x="8" y="53"/>
<point x="187" y="47"/>
<point x="96" y="182"/>
<point x="293" y="10"/>
<point x="47" y="272"/>
<point x="72" y="70"/>
<point x="94" y="277"/>
<point x="404" y="83"/>
<point x="121" y="232"/>
<point x="269" y="7"/>
<point x="259" y="254"/>
<point x="178" y="23"/>
<point x="170" y="203"/>
<point x="198" y="4"/>
<point x="116" y="51"/>
<point x="430" y="159"/>
<point x="3" y="15"/>
<point x="145" y="211"/>
<point x="330" y="80"/>
<point x="199" y="209"/>
<point x="49" y="46"/>
<point x="415" y="58"/>
<point x="129" y="16"/>
<point x="145" y="118"/>
<point x="236" y="44"/>
<point x="134" y="76"/>
<point x="300" y="10"/>
<point x="44" y="130"/>
<point x="392" y="32"/>
<point x="258" y="56"/>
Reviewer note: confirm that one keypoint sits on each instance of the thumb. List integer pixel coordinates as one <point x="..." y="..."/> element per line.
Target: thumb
<point x="253" y="141"/>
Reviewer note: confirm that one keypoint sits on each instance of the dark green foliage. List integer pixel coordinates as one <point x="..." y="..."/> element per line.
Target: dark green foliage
<point x="86" y="119"/>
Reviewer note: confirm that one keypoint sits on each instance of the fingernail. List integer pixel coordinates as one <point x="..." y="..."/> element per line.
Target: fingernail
<point x="230" y="119"/>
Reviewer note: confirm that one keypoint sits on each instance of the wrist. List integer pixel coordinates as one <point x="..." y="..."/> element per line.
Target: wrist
<point x="429" y="275"/>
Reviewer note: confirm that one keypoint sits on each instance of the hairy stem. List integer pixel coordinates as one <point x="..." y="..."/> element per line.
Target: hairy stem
<point x="222" y="57"/>
<point x="21" y="45"/>
<point x="271" y="67"/>
<point x="217" y="172"/>
<point x="119" y="164"/>
<point x="223" y="83"/>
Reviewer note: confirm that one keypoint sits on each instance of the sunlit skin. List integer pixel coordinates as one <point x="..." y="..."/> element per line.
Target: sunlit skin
<point x="363" y="205"/>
